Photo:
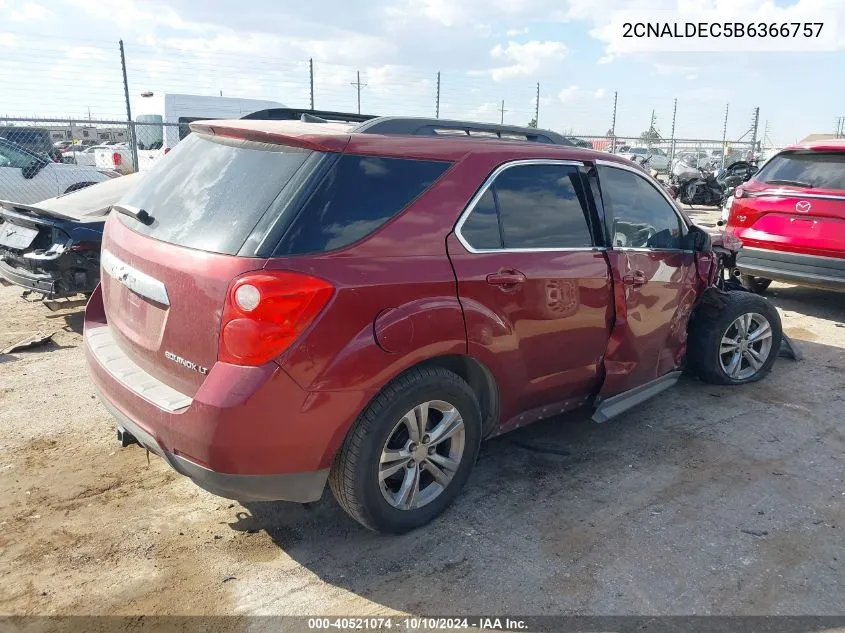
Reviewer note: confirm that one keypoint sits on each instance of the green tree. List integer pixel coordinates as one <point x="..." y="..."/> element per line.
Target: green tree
<point x="532" y="123"/>
<point x="650" y="136"/>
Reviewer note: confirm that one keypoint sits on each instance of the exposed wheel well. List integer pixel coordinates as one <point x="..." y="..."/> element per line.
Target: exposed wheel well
<point x="480" y="380"/>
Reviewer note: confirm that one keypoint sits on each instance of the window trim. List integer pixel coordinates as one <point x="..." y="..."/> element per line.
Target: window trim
<point x="488" y="182"/>
<point x="609" y="217"/>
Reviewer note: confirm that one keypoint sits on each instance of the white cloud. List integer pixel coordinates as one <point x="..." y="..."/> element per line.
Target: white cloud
<point x="576" y="93"/>
<point x="27" y="12"/>
<point x="515" y="32"/>
<point x="8" y="40"/>
<point x="525" y="60"/>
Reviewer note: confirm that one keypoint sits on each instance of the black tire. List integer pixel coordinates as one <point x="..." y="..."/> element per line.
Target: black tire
<point x="354" y="477"/>
<point x="707" y="329"/>
<point x="757" y="285"/>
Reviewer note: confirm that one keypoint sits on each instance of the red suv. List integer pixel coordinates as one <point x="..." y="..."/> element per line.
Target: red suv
<point x="286" y="304"/>
<point x="791" y="219"/>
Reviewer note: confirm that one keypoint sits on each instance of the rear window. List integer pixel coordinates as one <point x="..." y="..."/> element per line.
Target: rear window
<point x="819" y="170"/>
<point x="356" y="197"/>
<point x="209" y="194"/>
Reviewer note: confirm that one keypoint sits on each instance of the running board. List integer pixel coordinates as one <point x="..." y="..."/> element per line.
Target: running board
<point x="613" y="406"/>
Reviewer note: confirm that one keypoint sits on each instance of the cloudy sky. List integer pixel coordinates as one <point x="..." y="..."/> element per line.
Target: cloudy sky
<point x="60" y="58"/>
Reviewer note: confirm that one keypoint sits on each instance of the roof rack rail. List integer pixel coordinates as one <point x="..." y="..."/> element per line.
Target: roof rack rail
<point x="420" y="126"/>
<point x="309" y="116"/>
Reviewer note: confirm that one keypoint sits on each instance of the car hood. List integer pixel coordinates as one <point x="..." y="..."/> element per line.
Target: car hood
<point x="90" y="204"/>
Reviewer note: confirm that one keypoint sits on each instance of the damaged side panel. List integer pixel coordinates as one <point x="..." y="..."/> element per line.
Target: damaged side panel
<point x="654" y="294"/>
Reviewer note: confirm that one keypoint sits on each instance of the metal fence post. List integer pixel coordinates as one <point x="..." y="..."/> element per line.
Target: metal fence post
<point x="672" y="139"/>
<point x="725" y="133"/>
<point x="437" y="98"/>
<point x="311" y="75"/>
<point x="613" y="125"/>
<point x="537" y="108"/>
<point x="133" y="145"/>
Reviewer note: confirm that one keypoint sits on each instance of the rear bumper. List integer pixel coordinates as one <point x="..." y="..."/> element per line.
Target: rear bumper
<point x="298" y="487"/>
<point x="826" y="273"/>
<point x="248" y="433"/>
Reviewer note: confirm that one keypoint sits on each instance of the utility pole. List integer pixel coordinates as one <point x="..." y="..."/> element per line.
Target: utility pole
<point x="613" y="125"/>
<point x="725" y="133"/>
<point x="437" y="101"/>
<point x="357" y="83"/>
<point x="537" y="108"/>
<point x="755" y="121"/>
<point x="502" y="110"/>
<point x="672" y="139"/>
<point x="311" y="76"/>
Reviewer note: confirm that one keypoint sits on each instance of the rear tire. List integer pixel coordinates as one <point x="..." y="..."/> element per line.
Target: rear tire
<point x="392" y="475"/>
<point x="757" y="285"/>
<point x="736" y="345"/>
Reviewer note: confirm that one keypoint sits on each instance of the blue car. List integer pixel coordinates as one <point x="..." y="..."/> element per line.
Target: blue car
<point x="53" y="247"/>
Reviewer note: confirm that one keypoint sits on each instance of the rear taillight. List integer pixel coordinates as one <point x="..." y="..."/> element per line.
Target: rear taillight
<point x="266" y="311"/>
<point x="117" y="159"/>
<point x="166" y="149"/>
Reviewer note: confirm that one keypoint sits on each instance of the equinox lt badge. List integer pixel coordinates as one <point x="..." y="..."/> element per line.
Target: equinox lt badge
<point x="186" y="363"/>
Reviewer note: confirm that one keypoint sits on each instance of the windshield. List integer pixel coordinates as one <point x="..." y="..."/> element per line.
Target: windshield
<point x="819" y="170"/>
<point x="209" y="193"/>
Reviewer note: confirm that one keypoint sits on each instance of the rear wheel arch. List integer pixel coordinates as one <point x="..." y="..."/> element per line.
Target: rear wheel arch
<point x="476" y="374"/>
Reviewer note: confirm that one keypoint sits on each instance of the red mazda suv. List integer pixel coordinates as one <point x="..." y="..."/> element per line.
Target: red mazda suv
<point x="284" y="305"/>
<point x="791" y="219"/>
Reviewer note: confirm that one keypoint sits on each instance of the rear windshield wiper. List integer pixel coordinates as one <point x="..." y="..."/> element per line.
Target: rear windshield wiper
<point x="134" y="212"/>
<point x="794" y="183"/>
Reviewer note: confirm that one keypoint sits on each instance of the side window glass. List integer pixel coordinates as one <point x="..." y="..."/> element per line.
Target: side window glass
<point x="481" y="229"/>
<point x="11" y="157"/>
<point x="642" y="218"/>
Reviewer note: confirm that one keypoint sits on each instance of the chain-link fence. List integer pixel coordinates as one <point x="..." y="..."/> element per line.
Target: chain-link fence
<point x="105" y="109"/>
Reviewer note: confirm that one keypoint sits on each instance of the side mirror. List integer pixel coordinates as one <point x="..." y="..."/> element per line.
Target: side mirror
<point x="696" y="239"/>
<point x="31" y="171"/>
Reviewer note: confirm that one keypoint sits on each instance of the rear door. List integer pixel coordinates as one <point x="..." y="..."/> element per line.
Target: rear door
<point x="654" y="279"/>
<point x="534" y="285"/>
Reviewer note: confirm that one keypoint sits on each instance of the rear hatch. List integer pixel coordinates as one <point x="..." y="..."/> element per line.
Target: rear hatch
<point x="797" y="200"/>
<point x="210" y="206"/>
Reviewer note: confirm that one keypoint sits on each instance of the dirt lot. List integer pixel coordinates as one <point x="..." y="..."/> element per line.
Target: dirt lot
<point x="708" y="500"/>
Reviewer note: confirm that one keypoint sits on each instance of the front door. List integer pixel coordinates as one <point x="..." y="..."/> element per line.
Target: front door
<point x="654" y="279"/>
<point x="535" y="290"/>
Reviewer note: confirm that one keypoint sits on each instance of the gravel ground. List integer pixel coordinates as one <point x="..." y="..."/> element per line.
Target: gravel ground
<point x="708" y="500"/>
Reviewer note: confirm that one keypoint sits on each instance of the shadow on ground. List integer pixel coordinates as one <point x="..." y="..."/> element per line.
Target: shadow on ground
<point x="704" y="500"/>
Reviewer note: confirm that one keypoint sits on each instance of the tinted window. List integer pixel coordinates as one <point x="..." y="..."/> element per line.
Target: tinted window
<point x="808" y="169"/>
<point x="209" y="194"/>
<point x="10" y="156"/>
<point x="481" y="228"/>
<point x="642" y="218"/>
<point x="357" y="196"/>
<point x="542" y="206"/>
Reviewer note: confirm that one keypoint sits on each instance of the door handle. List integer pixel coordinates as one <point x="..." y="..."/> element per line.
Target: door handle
<point x="506" y="278"/>
<point x="635" y="279"/>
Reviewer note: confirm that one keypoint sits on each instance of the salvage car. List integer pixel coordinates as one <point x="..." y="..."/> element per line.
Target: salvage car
<point x="53" y="247"/>
<point x="28" y="177"/>
<point x="791" y="219"/>
<point x="385" y="297"/>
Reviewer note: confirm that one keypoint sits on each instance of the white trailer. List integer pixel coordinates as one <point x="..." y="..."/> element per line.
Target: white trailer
<point x="162" y="120"/>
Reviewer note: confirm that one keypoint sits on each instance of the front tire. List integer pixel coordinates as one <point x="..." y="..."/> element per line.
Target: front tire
<point x="738" y="344"/>
<point x="410" y="452"/>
